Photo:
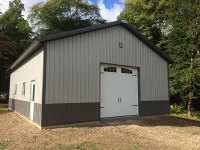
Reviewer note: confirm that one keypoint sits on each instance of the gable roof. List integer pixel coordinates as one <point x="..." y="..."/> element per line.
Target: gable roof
<point x="35" y="45"/>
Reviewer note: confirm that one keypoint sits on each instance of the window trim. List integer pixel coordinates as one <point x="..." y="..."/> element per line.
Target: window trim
<point x="15" y="92"/>
<point x="24" y="89"/>
<point x="33" y="90"/>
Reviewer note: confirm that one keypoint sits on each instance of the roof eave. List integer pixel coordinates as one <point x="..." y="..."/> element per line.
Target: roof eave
<point x="107" y="25"/>
<point x="147" y="42"/>
<point x="78" y="31"/>
<point x="28" y="52"/>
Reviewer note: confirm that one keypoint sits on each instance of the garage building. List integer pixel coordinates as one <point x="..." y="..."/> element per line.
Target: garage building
<point x="102" y="71"/>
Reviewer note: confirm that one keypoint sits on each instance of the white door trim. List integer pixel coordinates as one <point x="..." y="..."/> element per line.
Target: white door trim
<point x="32" y="99"/>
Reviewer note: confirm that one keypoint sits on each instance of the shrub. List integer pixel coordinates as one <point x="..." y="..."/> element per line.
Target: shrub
<point x="197" y="114"/>
<point x="177" y="109"/>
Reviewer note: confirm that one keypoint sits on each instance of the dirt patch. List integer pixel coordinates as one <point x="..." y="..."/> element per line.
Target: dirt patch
<point x="159" y="132"/>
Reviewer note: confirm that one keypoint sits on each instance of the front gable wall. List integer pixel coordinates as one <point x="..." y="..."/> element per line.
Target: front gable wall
<point x="72" y="67"/>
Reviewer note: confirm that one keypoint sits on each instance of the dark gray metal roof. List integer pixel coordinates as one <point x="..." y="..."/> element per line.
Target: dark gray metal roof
<point x="27" y="53"/>
<point x="32" y="48"/>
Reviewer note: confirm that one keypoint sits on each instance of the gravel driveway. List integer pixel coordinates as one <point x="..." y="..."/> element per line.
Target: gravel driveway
<point x="158" y="132"/>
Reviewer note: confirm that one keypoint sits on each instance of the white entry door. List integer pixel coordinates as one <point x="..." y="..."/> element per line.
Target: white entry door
<point x="32" y="99"/>
<point x="119" y="91"/>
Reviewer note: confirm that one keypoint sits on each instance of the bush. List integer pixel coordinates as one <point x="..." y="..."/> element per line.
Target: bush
<point x="197" y="114"/>
<point x="177" y="109"/>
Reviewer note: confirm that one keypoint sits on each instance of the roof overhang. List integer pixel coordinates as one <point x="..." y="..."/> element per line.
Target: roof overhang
<point x="28" y="52"/>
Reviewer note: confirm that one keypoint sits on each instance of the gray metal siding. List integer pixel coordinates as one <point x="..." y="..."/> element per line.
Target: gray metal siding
<point x="31" y="69"/>
<point x="73" y="66"/>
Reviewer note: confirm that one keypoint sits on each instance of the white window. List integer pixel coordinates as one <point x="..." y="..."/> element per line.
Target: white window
<point x="33" y="90"/>
<point x="15" y="89"/>
<point x="24" y="88"/>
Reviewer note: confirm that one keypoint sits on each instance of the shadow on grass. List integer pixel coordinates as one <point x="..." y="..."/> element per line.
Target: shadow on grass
<point x="163" y="120"/>
<point x="80" y="146"/>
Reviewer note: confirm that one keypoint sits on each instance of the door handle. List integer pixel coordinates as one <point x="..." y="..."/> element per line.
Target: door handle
<point x="134" y="105"/>
<point x="119" y="100"/>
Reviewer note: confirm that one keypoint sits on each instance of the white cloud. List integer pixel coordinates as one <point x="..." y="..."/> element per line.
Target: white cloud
<point x="110" y="14"/>
<point x="3" y="5"/>
<point x="27" y="5"/>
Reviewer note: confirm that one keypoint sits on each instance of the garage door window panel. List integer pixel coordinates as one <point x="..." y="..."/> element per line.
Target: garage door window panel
<point x="128" y="71"/>
<point x="110" y="69"/>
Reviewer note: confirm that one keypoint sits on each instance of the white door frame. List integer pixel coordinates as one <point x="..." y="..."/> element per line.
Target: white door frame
<point x="32" y="99"/>
<point x="125" y="66"/>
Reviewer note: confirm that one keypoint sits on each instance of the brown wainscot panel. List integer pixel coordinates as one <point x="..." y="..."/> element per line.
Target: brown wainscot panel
<point x="23" y="107"/>
<point x="148" y="108"/>
<point x="19" y="106"/>
<point x="37" y="113"/>
<point x="58" y="114"/>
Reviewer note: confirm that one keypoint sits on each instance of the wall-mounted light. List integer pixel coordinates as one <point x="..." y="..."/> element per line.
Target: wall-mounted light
<point x="120" y="45"/>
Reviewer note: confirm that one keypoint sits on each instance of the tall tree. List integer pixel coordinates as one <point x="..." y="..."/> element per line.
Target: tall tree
<point x="184" y="47"/>
<point x="147" y="16"/>
<point x="63" y="15"/>
<point x="15" y="36"/>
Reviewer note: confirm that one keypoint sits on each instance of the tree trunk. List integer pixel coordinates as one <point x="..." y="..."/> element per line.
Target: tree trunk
<point x="191" y="90"/>
<point x="190" y="105"/>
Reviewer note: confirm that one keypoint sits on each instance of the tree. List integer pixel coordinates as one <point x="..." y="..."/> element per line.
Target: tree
<point x="63" y="15"/>
<point x="184" y="45"/>
<point x="147" y="16"/>
<point x="15" y="36"/>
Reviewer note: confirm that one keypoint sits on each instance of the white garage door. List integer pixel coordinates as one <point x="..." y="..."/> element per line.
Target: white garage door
<point x="119" y="91"/>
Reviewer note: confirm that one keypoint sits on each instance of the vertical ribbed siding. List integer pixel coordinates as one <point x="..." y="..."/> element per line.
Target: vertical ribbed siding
<point x="31" y="69"/>
<point x="73" y="66"/>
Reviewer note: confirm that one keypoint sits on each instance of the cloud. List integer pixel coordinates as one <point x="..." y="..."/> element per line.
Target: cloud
<point x="110" y="14"/>
<point x="4" y="5"/>
<point x="27" y="5"/>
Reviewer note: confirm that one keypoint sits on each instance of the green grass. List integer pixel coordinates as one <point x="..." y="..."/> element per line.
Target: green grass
<point x="136" y="145"/>
<point x="181" y="111"/>
<point x="140" y="145"/>
<point x="185" y="115"/>
<point x="80" y="146"/>
<point x="3" y="145"/>
<point x="3" y="107"/>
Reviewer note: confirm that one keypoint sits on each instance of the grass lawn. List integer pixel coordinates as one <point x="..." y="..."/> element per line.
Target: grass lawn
<point x="3" y="107"/>
<point x="3" y="145"/>
<point x="185" y="115"/>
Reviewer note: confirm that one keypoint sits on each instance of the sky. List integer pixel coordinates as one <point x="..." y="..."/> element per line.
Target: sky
<point x="109" y="9"/>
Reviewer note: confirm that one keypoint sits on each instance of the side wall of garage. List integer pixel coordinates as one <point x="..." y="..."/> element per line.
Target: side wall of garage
<point x="19" y="101"/>
<point x="73" y="78"/>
